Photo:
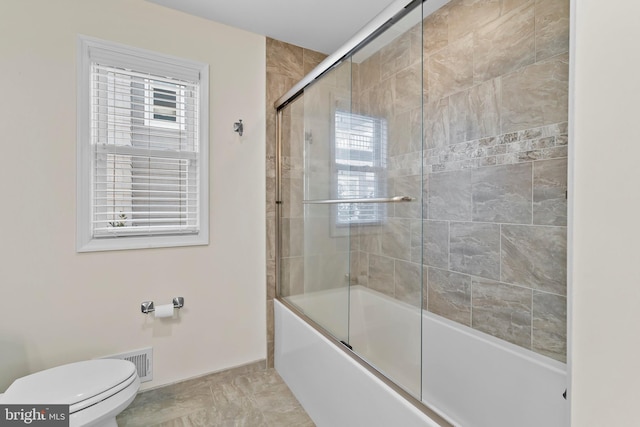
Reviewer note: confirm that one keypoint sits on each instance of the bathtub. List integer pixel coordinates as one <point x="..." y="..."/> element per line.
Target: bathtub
<point x="464" y="377"/>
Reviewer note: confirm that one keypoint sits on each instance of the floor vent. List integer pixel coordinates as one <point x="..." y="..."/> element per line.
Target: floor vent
<point x="142" y="359"/>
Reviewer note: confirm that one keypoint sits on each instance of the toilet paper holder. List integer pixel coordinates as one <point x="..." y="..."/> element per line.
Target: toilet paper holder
<point x="147" y="306"/>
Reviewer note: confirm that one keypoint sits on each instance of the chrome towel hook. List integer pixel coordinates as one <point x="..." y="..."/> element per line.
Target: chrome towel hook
<point x="238" y="127"/>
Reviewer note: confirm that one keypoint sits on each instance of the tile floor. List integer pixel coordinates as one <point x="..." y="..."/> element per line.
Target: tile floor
<point x="246" y="396"/>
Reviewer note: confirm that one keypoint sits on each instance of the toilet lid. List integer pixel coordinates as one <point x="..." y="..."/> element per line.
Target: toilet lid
<point x="79" y="384"/>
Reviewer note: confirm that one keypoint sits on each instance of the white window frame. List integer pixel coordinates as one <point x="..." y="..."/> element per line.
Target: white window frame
<point x="157" y="64"/>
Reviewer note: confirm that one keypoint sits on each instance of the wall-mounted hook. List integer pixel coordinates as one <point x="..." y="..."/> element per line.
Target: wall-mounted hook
<point x="238" y="127"/>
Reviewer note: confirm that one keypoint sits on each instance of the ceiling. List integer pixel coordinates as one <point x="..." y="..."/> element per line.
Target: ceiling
<point x="320" y="25"/>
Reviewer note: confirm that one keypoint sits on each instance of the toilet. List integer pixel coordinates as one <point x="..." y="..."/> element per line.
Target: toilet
<point x="95" y="390"/>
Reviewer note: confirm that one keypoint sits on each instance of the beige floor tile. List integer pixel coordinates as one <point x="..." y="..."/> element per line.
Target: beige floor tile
<point x="246" y="397"/>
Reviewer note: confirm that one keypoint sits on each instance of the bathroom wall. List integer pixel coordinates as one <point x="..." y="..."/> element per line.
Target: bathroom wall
<point x="60" y="306"/>
<point x="493" y="247"/>
<point x="604" y="230"/>
<point x="286" y="65"/>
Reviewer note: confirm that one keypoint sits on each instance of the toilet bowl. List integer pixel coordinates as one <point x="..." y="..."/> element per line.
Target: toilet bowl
<point x="95" y="390"/>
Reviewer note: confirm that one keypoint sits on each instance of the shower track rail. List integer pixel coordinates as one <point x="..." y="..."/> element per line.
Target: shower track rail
<point x="395" y="199"/>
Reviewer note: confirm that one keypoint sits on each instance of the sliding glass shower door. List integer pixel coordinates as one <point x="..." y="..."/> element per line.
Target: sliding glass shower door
<point x="314" y="266"/>
<point x="351" y="201"/>
<point x="423" y="211"/>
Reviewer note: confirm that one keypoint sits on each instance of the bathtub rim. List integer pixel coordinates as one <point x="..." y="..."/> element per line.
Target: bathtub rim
<point x="436" y="416"/>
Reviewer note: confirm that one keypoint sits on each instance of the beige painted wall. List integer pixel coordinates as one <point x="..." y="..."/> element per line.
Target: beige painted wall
<point x="605" y="328"/>
<point x="59" y="306"/>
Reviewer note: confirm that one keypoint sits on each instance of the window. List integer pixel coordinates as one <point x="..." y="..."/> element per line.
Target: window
<point x="165" y="110"/>
<point x="360" y="163"/>
<point x="142" y="149"/>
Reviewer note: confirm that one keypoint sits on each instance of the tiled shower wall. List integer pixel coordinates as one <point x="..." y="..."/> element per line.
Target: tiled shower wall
<point x="497" y="76"/>
<point x="286" y="65"/>
<point x="495" y="82"/>
<point x="490" y="240"/>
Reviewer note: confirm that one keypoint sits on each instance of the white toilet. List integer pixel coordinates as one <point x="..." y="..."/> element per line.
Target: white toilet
<point x="95" y="390"/>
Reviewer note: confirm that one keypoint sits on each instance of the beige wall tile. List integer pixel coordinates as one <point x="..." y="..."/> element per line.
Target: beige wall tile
<point x="370" y="241"/>
<point x="536" y="95"/>
<point x="504" y="45"/>
<point x="450" y="295"/>
<point x="270" y="321"/>
<point x="475" y="113"/>
<point x="550" y="325"/>
<point x="408" y="283"/>
<point x="311" y="59"/>
<point x="395" y="56"/>
<point x="450" y="70"/>
<point x="502" y="194"/>
<point x="369" y="72"/>
<point x="552" y="28"/>
<point x="410" y="185"/>
<point x="381" y="99"/>
<point x="271" y="196"/>
<point x="396" y="239"/>
<point x="408" y="83"/>
<point x="292" y="276"/>
<point x="474" y="248"/>
<point x="549" y="192"/>
<point x="509" y="5"/>
<point x="449" y="196"/>
<point x="468" y="15"/>
<point x="292" y="234"/>
<point x="435" y="31"/>
<point x="436" y="123"/>
<point x="436" y="243"/>
<point x="292" y="190"/>
<point x="270" y="354"/>
<point x="416" y="51"/>
<point x="271" y="279"/>
<point x="285" y="59"/>
<point x="502" y="310"/>
<point x="271" y="237"/>
<point x="381" y="274"/>
<point x="363" y="269"/>
<point x="535" y="257"/>
<point x="399" y="135"/>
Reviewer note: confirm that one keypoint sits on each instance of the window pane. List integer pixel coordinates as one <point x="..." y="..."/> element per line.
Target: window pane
<point x="146" y="166"/>
<point x="360" y="160"/>
<point x="165" y="106"/>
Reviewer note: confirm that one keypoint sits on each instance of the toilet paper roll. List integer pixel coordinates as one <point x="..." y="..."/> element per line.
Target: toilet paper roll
<point x="164" y="310"/>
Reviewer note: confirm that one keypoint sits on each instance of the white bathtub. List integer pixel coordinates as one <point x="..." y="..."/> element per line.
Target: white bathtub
<point x="468" y="377"/>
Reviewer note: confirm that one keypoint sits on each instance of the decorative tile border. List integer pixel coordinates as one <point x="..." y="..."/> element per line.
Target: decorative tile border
<point x="542" y="143"/>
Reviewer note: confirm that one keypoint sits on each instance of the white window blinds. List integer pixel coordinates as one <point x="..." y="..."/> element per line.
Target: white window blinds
<point x="360" y="165"/>
<point x="145" y="149"/>
<point x="145" y="139"/>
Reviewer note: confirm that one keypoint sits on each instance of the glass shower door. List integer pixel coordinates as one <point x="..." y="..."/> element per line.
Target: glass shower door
<point x="424" y="202"/>
<point x="386" y="237"/>
<point x="315" y="246"/>
<point x="351" y="202"/>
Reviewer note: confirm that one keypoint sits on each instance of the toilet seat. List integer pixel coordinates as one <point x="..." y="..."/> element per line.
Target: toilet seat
<point x="79" y="385"/>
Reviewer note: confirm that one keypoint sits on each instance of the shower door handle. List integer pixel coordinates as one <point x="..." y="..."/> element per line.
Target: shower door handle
<point x="395" y="199"/>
